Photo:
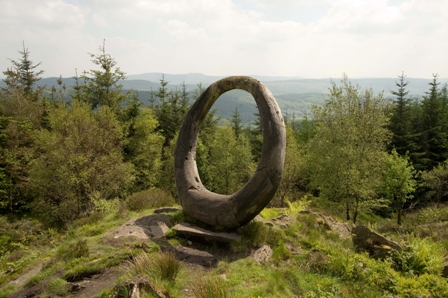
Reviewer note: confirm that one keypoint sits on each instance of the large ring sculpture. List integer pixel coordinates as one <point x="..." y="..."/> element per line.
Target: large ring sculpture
<point x="237" y="209"/>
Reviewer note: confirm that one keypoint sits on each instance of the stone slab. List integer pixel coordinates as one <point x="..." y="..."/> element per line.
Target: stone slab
<point x="189" y="230"/>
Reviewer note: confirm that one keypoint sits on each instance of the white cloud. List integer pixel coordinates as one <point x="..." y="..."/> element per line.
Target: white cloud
<point x="362" y="38"/>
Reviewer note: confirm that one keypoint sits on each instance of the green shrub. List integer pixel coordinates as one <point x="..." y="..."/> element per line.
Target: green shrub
<point x="151" y="198"/>
<point x="426" y="285"/>
<point x="72" y="250"/>
<point x="257" y="233"/>
<point x="88" y="220"/>
<point x="297" y="206"/>
<point x="423" y="256"/>
<point x="20" y="234"/>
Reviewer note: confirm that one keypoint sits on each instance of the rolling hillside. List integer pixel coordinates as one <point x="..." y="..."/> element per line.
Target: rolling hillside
<point x="294" y="95"/>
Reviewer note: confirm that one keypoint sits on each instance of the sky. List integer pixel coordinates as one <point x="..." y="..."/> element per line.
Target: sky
<point x="302" y="38"/>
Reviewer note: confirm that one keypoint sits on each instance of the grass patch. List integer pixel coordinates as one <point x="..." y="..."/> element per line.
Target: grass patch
<point x="57" y="286"/>
<point x="151" y="198"/>
<point x="211" y="287"/>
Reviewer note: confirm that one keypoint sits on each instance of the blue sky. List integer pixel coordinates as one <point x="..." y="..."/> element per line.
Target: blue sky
<point x="306" y="38"/>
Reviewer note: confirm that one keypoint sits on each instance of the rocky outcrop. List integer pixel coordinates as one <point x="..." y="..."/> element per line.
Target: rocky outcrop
<point x="330" y="224"/>
<point x="378" y="246"/>
<point x="263" y="254"/>
<point x="154" y="226"/>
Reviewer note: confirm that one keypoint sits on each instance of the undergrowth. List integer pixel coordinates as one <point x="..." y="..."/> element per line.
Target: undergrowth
<point x="308" y="259"/>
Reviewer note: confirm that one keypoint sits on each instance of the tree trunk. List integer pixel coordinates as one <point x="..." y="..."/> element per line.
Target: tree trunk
<point x="355" y="212"/>
<point x="399" y="210"/>
<point x="347" y="210"/>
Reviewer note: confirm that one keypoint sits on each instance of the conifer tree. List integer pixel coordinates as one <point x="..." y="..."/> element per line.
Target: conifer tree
<point x="434" y="127"/>
<point x="235" y="122"/>
<point x="101" y="87"/>
<point x="23" y="74"/>
<point x="400" y="122"/>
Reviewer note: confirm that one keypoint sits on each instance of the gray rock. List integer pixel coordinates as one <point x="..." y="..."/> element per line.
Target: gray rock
<point x="262" y="254"/>
<point x="188" y="230"/>
<point x="330" y="224"/>
<point x="235" y="210"/>
<point x="378" y="246"/>
<point x="445" y="269"/>
<point x="167" y="210"/>
<point x="154" y="226"/>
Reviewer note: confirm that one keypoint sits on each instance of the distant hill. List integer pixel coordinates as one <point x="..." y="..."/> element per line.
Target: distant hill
<point x="295" y="95"/>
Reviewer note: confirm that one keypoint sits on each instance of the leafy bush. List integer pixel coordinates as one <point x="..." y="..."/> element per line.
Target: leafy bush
<point x="89" y="220"/>
<point x="423" y="256"/>
<point x="433" y="215"/>
<point x="257" y="233"/>
<point x="73" y="250"/>
<point x="19" y="235"/>
<point x="151" y="198"/>
<point x="297" y="206"/>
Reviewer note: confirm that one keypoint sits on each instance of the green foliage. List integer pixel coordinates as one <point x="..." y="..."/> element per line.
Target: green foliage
<point x="151" y="198"/>
<point x="101" y="87"/>
<point x="398" y="181"/>
<point x="434" y="125"/>
<point x="231" y="164"/>
<point x="401" y="121"/>
<point x="72" y="251"/>
<point x="143" y="149"/>
<point x="346" y="155"/>
<point x="294" y="171"/>
<point x="23" y="76"/>
<point x="20" y="234"/>
<point x="423" y="256"/>
<point x="437" y="180"/>
<point x="256" y="234"/>
<point x="433" y="215"/>
<point x="297" y="206"/>
<point x="80" y="162"/>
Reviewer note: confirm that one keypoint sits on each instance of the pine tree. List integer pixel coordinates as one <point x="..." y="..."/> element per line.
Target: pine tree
<point x="102" y="87"/>
<point x="434" y="135"/>
<point x="400" y="122"/>
<point x="235" y="122"/>
<point x="23" y="75"/>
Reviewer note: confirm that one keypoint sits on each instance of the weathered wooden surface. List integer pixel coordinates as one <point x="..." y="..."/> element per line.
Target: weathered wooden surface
<point x="230" y="211"/>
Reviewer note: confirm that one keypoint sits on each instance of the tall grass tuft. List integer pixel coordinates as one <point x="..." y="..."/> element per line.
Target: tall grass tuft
<point x="164" y="266"/>
<point x="58" y="286"/>
<point x="211" y="287"/>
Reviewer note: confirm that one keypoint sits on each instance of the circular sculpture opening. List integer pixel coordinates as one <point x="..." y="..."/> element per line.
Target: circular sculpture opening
<point x="237" y="209"/>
